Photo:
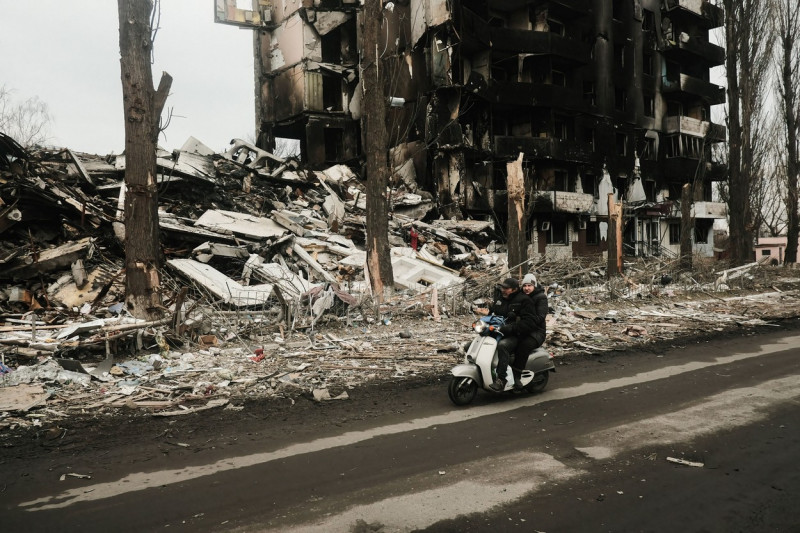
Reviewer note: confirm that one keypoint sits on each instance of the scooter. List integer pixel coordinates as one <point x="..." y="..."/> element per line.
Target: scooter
<point x="477" y="371"/>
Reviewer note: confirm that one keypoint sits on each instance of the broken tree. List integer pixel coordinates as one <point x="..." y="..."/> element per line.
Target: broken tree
<point x="517" y="219"/>
<point x="143" y="107"/>
<point x="379" y="263"/>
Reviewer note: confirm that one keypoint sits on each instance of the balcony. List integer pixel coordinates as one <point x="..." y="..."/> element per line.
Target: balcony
<point x="692" y="126"/>
<point x="543" y="148"/>
<point x="515" y="93"/>
<point x="690" y="48"/>
<point x="711" y="93"/>
<point x="715" y="210"/>
<point x="540" y="43"/>
<point x="708" y="10"/>
<point x="562" y="202"/>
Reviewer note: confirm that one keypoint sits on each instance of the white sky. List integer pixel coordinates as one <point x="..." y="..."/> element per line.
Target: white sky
<point x="66" y="52"/>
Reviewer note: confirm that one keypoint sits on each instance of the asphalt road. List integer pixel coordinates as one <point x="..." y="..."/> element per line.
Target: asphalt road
<point x="595" y="452"/>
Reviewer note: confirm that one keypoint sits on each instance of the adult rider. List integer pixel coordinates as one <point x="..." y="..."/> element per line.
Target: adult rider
<point x="538" y="296"/>
<point x="518" y="310"/>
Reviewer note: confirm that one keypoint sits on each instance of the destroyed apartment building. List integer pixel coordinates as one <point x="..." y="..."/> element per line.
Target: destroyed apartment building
<point x="247" y="230"/>
<point x="600" y="96"/>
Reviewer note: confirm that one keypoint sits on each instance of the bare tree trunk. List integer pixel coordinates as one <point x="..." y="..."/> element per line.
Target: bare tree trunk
<point x="614" y="267"/>
<point x="517" y="219"/>
<point x="142" y="106"/>
<point x="379" y="264"/>
<point x="687" y="226"/>
<point x="748" y="39"/>
<point x="788" y="21"/>
<point x="738" y="202"/>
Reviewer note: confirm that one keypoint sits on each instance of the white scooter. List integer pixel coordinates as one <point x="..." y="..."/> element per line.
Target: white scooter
<point x="477" y="371"/>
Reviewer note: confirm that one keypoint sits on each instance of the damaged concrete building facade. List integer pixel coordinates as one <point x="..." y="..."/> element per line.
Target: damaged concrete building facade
<point x="600" y="96"/>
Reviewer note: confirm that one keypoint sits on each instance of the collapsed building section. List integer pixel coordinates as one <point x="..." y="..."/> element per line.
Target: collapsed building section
<point x="600" y="96"/>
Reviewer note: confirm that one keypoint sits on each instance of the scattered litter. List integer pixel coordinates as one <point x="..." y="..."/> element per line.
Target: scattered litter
<point x="684" y="462"/>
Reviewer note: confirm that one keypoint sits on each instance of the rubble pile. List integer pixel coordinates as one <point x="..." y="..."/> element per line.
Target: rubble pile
<point x="264" y="289"/>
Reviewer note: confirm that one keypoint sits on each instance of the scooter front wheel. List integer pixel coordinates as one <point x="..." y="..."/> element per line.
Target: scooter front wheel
<point x="462" y="390"/>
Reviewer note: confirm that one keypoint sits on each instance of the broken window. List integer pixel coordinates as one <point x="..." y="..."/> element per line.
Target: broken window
<point x="332" y="95"/>
<point x="622" y="144"/>
<point x="556" y="232"/>
<point x="649" y="149"/>
<point x="556" y="26"/>
<point x="675" y="233"/>
<point x="648" y="20"/>
<point x="562" y="127"/>
<point x="560" y="183"/>
<point x="649" y="105"/>
<point x="702" y="228"/>
<point x="673" y="71"/>
<point x="622" y="186"/>
<point x="672" y="147"/>
<point x="590" y="185"/>
<point x="617" y="9"/>
<point x="647" y="64"/>
<point x="650" y="190"/>
<point x="675" y="191"/>
<point x="593" y="233"/>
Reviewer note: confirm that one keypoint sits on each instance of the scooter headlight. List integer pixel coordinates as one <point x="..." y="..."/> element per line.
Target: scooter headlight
<point x="479" y="326"/>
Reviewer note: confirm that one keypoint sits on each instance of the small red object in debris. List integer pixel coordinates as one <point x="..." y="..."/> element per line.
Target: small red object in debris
<point x="259" y="356"/>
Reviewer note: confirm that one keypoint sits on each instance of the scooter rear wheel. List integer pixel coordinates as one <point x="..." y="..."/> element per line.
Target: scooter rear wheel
<point x="539" y="382"/>
<point x="462" y="390"/>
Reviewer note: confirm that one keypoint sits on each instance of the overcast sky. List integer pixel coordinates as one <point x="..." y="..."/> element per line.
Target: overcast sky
<point x="66" y="52"/>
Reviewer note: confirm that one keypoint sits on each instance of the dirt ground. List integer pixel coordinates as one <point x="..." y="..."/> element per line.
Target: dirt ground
<point x="420" y="365"/>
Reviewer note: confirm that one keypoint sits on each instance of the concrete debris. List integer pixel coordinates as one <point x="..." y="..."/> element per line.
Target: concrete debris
<point x="264" y="288"/>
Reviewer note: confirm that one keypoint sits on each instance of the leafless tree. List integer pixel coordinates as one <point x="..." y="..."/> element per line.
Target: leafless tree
<point x="773" y="208"/>
<point x="27" y="122"/>
<point x="143" y="105"/>
<point x="748" y="40"/>
<point x="786" y="14"/>
<point x="379" y="264"/>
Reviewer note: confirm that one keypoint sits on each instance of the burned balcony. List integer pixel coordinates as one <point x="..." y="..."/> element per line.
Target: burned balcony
<point x="562" y="202"/>
<point x="683" y="168"/>
<point x="707" y="10"/>
<point x="540" y="43"/>
<point x="543" y="148"/>
<point x="514" y="93"/>
<point x="692" y="126"/>
<point x="711" y="93"/>
<point x="689" y="48"/>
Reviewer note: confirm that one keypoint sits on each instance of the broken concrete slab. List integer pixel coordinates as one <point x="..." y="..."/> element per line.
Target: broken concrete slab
<point x="22" y="397"/>
<point x="243" y="224"/>
<point x="289" y="283"/>
<point x="60" y="257"/>
<point x="221" y="286"/>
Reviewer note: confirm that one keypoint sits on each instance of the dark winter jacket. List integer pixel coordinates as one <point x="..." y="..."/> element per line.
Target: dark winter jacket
<point x="518" y="310"/>
<point x="539" y="299"/>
